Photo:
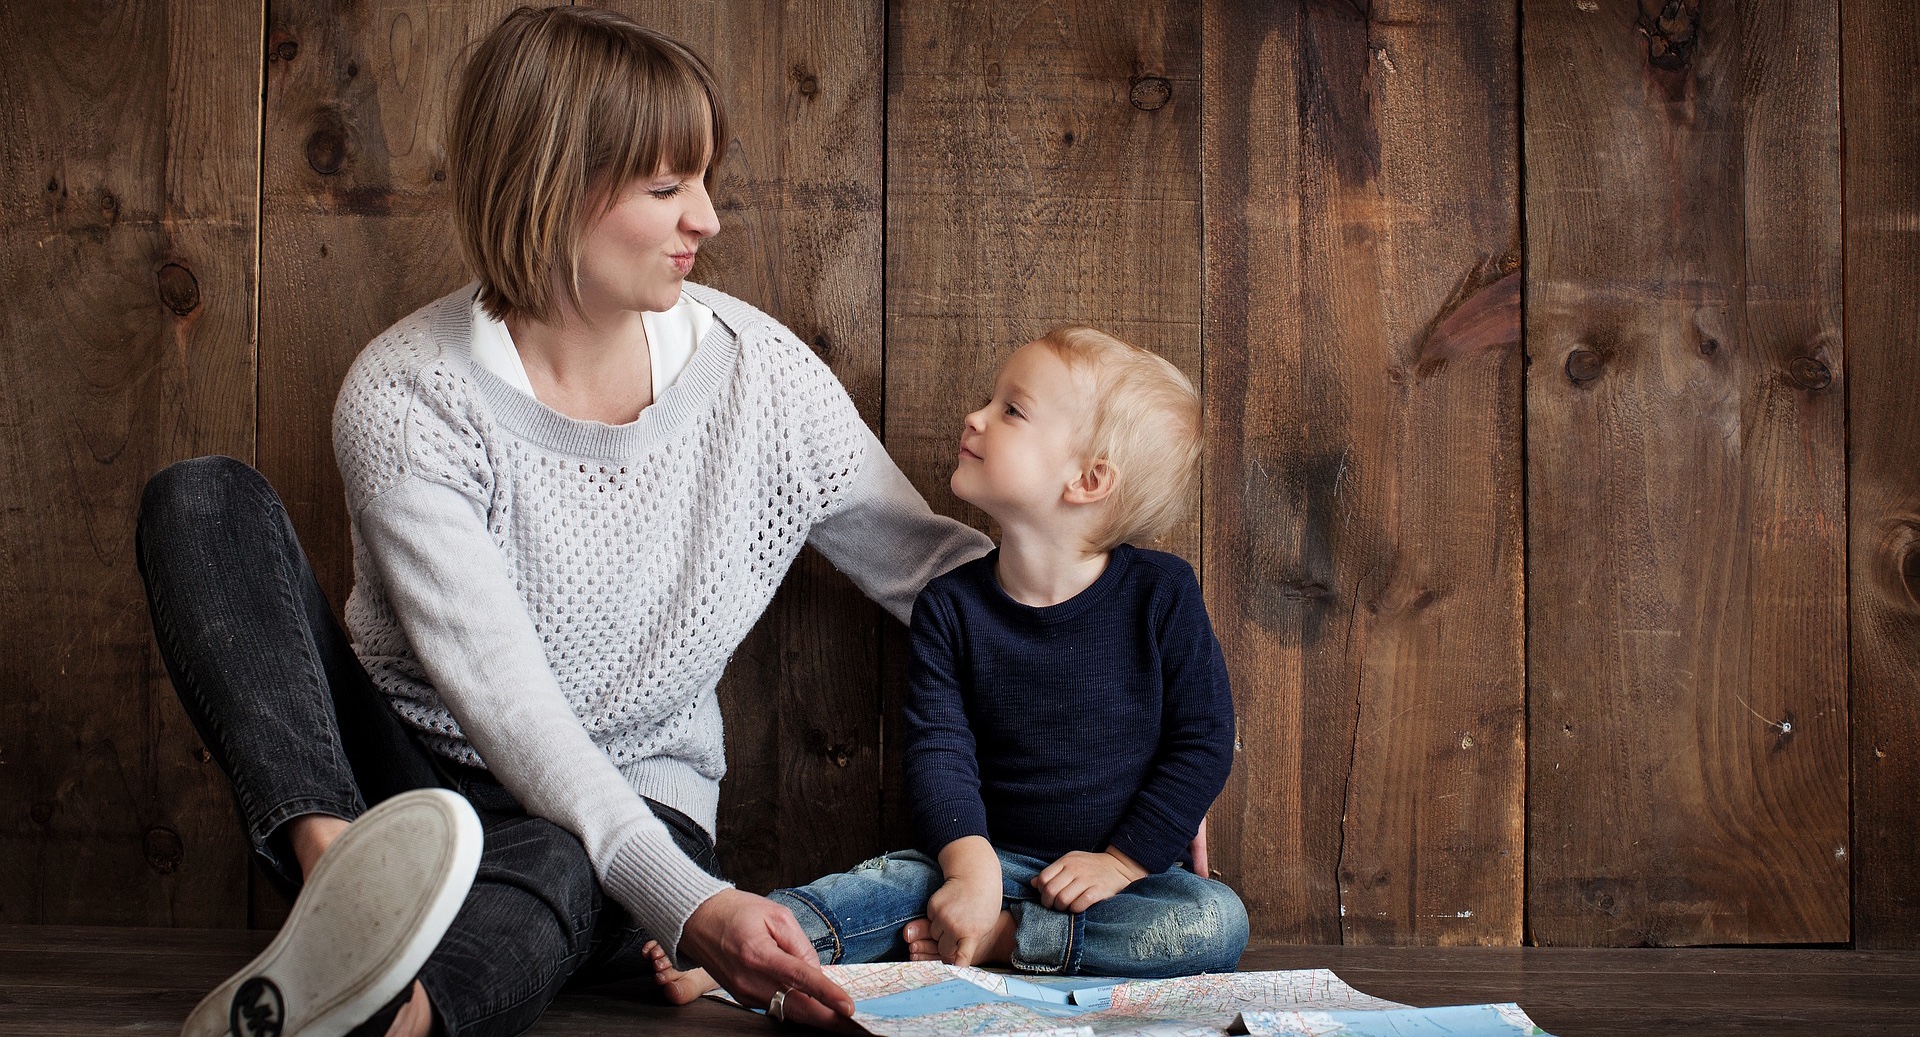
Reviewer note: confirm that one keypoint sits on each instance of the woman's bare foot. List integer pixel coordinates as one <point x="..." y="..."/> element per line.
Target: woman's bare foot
<point x="680" y="987"/>
<point x="996" y="949"/>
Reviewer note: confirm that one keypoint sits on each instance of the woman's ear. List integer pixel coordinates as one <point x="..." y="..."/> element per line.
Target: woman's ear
<point x="1093" y="484"/>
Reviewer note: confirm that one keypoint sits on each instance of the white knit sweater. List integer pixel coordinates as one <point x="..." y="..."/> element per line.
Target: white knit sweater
<point x="555" y="599"/>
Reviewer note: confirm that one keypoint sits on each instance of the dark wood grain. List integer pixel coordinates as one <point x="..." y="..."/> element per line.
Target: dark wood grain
<point x="1041" y="170"/>
<point x="1363" y="528"/>
<point x="800" y="207"/>
<point x="356" y="234"/>
<point x="1686" y="476"/>
<point x="58" y="981"/>
<point x="127" y="246"/>
<point x="1882" y="121"/>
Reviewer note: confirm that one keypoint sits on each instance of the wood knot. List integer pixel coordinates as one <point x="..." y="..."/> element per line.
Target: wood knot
<point x="164" y="850"/>
<point x="1584" y="365"/>
<point x="1672" y="34"/>
<point x="839" y="755"/>
<point x="285" y="50"/>
<point x="1150" y="93"/>
<point x="823" y="347"/>
<point x="179" y="289"/>
<point x="41" y="813"/>
<point x="1903" y="542"/>
<point x="1809" y="373"/>
<point x="327" y="147"/>
<point x="806" y="82"/>
<point x="1305" y="590"/>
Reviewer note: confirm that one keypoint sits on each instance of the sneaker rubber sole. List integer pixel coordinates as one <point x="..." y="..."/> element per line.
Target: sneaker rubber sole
<point x="364" y="923"/>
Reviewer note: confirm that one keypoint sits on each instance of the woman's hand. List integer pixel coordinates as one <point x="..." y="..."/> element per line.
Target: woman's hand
<point x="1080" y="880"/>
<point x="754" y="948"/>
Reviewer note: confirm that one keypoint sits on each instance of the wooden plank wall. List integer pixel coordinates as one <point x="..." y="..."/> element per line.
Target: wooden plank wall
<point x="1686" y="476"/>
<point x="1557" y="521"/>
<point x="127" y="222"/>
<point x="1881" y="110"/>
<point x="1363" y="536"/>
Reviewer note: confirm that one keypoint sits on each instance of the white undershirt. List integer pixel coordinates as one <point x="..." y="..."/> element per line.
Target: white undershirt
<point x="672" y="336"/>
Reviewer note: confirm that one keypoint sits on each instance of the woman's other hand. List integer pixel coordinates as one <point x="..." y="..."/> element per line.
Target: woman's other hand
<point x="754" y="948"/>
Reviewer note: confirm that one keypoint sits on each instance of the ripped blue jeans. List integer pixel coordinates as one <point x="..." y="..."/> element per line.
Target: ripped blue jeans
<point x="1171" y="924"/>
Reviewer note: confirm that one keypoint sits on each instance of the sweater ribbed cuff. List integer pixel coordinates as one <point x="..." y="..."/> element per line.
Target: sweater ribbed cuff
<point x="942" y="823"/>
<point x="660" y="887"/>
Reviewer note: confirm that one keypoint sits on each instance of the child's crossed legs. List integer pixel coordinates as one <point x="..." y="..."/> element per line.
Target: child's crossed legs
<point x="1170" y="924"/>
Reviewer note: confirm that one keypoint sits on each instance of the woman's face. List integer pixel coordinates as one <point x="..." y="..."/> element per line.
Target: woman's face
<point x="636" y="256"/>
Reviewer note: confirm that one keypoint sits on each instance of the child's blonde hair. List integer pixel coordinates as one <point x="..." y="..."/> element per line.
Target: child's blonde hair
<point x="1146" y="425"/>
<point x="556" y="110"/>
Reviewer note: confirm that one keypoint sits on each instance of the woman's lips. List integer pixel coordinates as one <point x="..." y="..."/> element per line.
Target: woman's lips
<point x="682" y="262"/>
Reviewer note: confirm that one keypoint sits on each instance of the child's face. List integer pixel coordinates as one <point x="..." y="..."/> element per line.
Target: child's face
<point x="1017" y="454"/>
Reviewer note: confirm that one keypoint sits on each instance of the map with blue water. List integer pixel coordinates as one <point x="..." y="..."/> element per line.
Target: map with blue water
<point x="928" y="999"/>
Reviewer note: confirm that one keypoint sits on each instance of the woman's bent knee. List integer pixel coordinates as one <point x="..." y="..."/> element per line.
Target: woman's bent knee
<point x="190" y="494"/>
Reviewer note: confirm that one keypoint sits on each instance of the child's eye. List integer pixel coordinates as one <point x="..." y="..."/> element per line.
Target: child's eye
<point x="1013" y="411"/>
<point x="664" y="193"/>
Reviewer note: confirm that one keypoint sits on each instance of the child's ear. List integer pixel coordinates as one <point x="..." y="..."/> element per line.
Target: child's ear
<point x="1092" y="485"/>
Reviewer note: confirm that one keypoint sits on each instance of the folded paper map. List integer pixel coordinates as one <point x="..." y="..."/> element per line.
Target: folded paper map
<point x="928" y="999"/>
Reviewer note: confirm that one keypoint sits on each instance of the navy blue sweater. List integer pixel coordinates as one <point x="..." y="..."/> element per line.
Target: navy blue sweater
<point x="1105" y="720"/>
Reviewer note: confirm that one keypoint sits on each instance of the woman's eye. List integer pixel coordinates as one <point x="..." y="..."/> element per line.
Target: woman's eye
<point x="664" y="193"/>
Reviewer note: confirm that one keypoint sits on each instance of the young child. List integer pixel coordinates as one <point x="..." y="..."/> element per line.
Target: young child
<point x="1069" y="719"/>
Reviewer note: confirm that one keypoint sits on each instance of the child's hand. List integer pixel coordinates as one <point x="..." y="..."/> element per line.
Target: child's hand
<point x="1080" y="880"/>
<point x="960" y="916"/>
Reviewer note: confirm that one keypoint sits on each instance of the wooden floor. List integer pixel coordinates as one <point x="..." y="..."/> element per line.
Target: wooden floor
<point x="56" y="981"/>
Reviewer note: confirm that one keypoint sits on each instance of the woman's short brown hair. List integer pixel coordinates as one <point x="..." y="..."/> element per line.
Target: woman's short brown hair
<point x="555" y="111"/>
<point x="1146" y="426"/>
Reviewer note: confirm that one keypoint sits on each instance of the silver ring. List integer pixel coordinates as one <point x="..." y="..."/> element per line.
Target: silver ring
<point x="777" y="1004"/>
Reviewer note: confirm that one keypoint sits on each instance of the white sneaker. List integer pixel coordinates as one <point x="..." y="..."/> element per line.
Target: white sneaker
<point x="375" y="906"/>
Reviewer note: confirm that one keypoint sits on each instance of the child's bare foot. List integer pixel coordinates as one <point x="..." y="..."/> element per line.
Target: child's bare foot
<point x="921" y="946"/>
<point x="680" y="987"/>
<point x="996" y="949"/>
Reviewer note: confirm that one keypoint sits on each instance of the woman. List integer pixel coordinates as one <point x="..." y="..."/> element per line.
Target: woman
<point x="574" y="485"/>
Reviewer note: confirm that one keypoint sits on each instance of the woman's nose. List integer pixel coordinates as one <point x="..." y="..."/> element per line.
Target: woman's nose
<point x="699" y="217"/>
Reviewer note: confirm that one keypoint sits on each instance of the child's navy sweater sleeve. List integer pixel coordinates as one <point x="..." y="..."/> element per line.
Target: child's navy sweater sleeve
<point x="942" y="770"/>
<point x="1196" y="733"/>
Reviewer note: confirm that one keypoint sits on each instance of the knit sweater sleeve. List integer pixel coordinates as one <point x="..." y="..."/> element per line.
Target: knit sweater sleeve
<point x="885" y="538"/>
<point x="417" y="489"/>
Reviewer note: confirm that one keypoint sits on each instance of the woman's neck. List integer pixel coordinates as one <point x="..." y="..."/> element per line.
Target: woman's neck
<point x="1045" y="570"/>
<point x="590" y="372"/>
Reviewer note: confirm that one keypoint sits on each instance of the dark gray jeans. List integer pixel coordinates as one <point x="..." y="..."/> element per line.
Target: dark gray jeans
<point x="278" y="697"/>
